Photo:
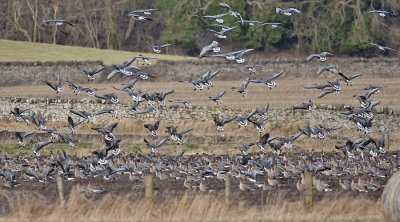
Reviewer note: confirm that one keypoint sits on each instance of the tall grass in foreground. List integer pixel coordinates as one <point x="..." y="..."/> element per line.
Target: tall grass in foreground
<point x="200" y="207"/>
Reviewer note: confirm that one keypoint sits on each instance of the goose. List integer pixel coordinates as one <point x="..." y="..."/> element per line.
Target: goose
<point x="38" y="146"/>
<point x="107" y="131"/>
<point x="269" y="81"/>
<point x="221" y="34"/>
<point x="179" y="135"/>
<point x="148" y="109"/>
<point x="287" y="142"/>
<point x="287" y="12"/>
<point x="310" y="106"/>
<point x="154" y="147"/>
<point x="40" y="121"/>
<point x="67" y="139"/>
<point x="77" y="89"/>
<point x="160" y="97"/>
<point x="313" y="132"/>
<point x="206" y="78"/>
<point x="144" y="11"/>
<point x="249" y="22"/>
<point x="56" y="84"/>
<point x="124" y="67"/>
<point x="300" y="186"/>
<point x="214" y="46"/>
<point x="371" y="87"/>
<point x="32" y="174"/>
<point x="196" y="82"/>
<point x="345" y="184"/>
<point x="242" y="88"/>
<point x="382" y="48"/>
<point x="150" y="99"/>
<point x="144" y="75"/>
<point x="52" y="132"/>
<point x="234" y="56"/>
<point x="231" y="11"/>
<point x="57" y="22"/>
<point x="18" y="113"/>
<point x="381" y="13"/>
<point x="91" y="91"/>
<point x="329" y="130"/>
<point x="264" y="140"/>
<point x="156" y="48"/>
<point x="221" y="122"/>
<point x="185" y="102"/>
<point x="245" y="147"/>
<point x="112" y="97"/>
<point x="245" y="186"/>
<point x="330" y="68"/>
<point x="262" y="111"/>
<point x="321" y="56"/>
<point x="137" y="17"/>
<point x="273" y="25"/>
<point x="128" y="86"/>
<point x="242" y="120"/>
<point x="327" y="91"/>
<point x="91" y="73"/>
<point x="252" y="68"/>
<point x="21" y="136"/>
<point x="380" y="144"/>
<point x="107" y="110"/>
<point x="217" y="98"/>
<point x="146" y="59"/>
<point x="153" y="127"/>
<point x="82" y="113"/>
<point x="72" y="124"/>
<point x="349" y="79"/>
<point x="259" y="124"/>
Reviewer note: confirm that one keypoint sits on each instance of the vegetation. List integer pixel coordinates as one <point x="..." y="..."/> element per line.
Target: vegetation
<point x="28" y="51"/>
<point x="341" y="26"/>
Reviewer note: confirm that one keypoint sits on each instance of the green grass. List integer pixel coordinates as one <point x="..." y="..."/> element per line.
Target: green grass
<point x="28" y="51"/>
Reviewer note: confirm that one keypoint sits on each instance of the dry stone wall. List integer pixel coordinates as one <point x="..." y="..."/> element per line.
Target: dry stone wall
<point x="16" y="73"/>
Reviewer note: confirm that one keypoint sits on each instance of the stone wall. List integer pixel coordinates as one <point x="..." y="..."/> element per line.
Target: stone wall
<point x="35" y="72"/>
<point x="57" y="110"/>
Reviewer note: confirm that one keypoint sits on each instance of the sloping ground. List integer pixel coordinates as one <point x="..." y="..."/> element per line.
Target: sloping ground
<point x="27" y="51"/>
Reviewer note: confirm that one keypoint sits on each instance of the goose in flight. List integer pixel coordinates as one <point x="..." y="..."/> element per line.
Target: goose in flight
<point x="123" y="68"/>
<point x="242" y="89"/>
<point x="218" y="18"/>
<point x="214" y="46"/>
<point x="253" y="68"/>
<point x="287" y="12"/>
<point x="72" y="124"/>
<point x="330" y="68"/>
<point x="21" y="136"/>
<point x="273" y="25"/>
<point x="287" y="142"/>
<point x="91" y="73"/>
<point x="242" y="120"/>
<point x="57" y="22"/>
<point x="220" y="34"/>
<point x="56" y="84"/>
<point x="198" y="85"/>
<point x="153" y="127"/>
<point x="349" y="79"/>
<point x="112" y="97"/>
<point x="156" y="48"/>
<point x="138" y="17"/>
<point x="144" y="11"/>
<point x="234" y="56"/>
<point x="38" y="146"/>
<point x="307" y="106"/>
<point x="321" y="56"/>
<point x="221" y="122"/>
<point x="217" y="98"/>
<point x="206" y="78"/>
<point x="231" y="11"/>
<point x="269" y="81"/>
<point x="381" y="13"/>
<point x="82" y="113"/>
<point x="155" y="147"/>
<point x="185" y="102"/>
<point x="382" y="48"/>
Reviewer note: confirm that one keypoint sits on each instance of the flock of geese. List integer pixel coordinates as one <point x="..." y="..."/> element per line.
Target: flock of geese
<point x="361" y="164"/>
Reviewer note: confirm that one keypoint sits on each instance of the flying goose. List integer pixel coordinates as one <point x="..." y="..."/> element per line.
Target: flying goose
<point x="128" y="86"/>
<point x="196" y="82"/>
<point x="330" y="68"/>
<point x="313" y="132"/>
<point x="156" y="48"/>
<point x="249" y="22"/>
<point x="259" y="124"/>
<point x="160" y="97"/>
<point x="206" y="78"/>
<point x="217" y="98"/>
<point x="40" y="121"/>
<point x="287" y="142"/>
<point x="221" y="122"/>
<point x="185" y="102"/>
<point x="154" y="147"/>
<point x="321" y="56"/>
<point x="124" y="67"/>
<point x="245" y="147"/>
<point x="214" y="46"/>
<point x="112" y="97"/>
<point x="287" y="12"/>
<point x="138" y="17"/>
<point x="152" y="127"/>
<point x="371" y="87"/>
<point x="307" y="106"/>
<point x="252" y="68"/>
<point x="107" y="131"/>
<point x="91" y="73"/>
<point x="91" y="91"/>
<point x="145" y="110"/>
<point x="234" y="56"/>
<point x="67" y="139"/>
<point x="77" y="89"/>
<point x="82" y="113"/>
<point x="242" y="120"/>
<point x="273" y="25"/>
<point x="382" y="48"/>
<point x="269" y="81"/>
<point x="264" y="140"/>
<point x="38" y="146"/>
<point x="107" y="110"/>
<point x="242" y="88"/>
<point x="18" y="113"/>
<point x="21" y="137"/>
<point x="57" y="22"/>
<point x="72" y="124"/>
<point x="349" y="79"/>
<point x="144" y="11"/>
<point x="231" y="11"/>
<point x="381" y="13"/>
<point x="56" y="84"/>
<point x="221" y="34"/>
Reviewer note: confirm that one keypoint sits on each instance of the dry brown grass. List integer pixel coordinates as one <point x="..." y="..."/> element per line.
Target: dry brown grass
<point x="289" y="92"/>
<point x="189" y="207"/>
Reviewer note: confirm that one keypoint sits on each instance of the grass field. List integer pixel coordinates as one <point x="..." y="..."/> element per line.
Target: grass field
<point x="27" y="51"/>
